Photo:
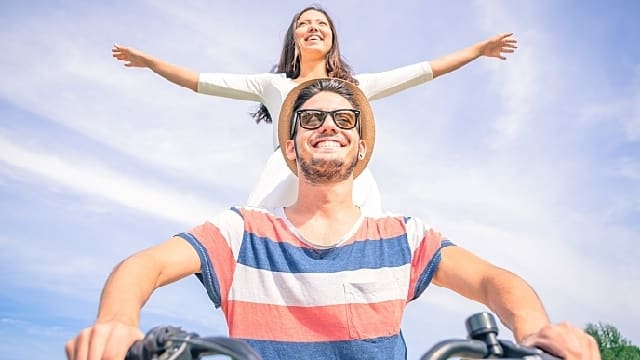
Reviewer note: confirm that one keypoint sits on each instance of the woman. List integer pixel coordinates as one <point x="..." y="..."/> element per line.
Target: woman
<point x="310" y="51"/>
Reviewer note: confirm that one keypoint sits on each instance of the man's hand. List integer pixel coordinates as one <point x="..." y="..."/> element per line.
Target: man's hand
<point x="103" y="340"/>
<point x="566" y="341"/>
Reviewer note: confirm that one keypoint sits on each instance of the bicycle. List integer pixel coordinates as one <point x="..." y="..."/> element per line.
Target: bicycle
<point x="483" y="343"/>
<point x="173" y="343"/>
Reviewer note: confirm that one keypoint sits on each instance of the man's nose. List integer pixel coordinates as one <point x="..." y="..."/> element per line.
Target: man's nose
<point x="329" y="124"/>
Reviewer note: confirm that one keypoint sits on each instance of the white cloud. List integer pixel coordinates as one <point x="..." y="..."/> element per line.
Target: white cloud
<point x="131" y="110"/>
<point x="93" y="178"/>
<point x="632" y="125"/>
<point x="504" y="157"/>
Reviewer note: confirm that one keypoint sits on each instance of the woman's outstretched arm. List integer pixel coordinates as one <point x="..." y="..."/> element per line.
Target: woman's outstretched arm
<point x="496" y="46"/>
<point x="176" y="74"/>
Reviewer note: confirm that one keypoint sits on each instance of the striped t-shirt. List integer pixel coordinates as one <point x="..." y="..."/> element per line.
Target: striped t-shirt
<point x="291" y="300"/>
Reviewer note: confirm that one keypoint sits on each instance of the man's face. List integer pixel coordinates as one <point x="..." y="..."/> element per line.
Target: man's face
<point x="326" y="154"/>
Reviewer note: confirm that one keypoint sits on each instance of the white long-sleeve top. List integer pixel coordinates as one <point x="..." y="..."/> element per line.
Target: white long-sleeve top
<point x="277" y="186"/>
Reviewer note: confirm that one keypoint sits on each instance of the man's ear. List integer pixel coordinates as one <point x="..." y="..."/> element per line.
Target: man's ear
<point x="362" y="149"/>
<point x="290" y="150"/>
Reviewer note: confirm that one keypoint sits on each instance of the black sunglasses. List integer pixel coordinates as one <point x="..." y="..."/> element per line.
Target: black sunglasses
<point x="312" y="119"/>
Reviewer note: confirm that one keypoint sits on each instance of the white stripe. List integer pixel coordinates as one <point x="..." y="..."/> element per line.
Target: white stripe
<point x="416" y="230"/>
<point x="319" y="289"/>
<point x="231" y="226"/>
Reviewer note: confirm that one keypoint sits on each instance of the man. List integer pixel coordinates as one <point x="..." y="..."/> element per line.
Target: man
<point x="319" y="279"/>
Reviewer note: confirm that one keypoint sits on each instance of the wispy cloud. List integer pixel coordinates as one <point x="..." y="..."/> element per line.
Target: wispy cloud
<point x="532" y="163"/>
<point x="92" y="178"/>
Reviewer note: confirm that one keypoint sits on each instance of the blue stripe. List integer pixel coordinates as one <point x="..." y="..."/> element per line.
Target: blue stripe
<point x="237" y="211"/>
<point x="427" y="274"/>
<point x="208" y="276"/>
<point x="384" y="348"/>
<point x="263" y="253"/>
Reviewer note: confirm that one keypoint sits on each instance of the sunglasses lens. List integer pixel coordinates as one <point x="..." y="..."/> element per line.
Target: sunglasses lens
<point x="345" y="119"/>
<point x="311" y="119"/>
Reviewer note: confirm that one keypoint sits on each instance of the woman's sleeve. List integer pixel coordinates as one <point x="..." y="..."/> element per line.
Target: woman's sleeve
<point x="379" y="85"/>
<point x="234" y="86"/>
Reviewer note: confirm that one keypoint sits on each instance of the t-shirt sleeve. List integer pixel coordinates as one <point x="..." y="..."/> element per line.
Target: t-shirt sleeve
<point x="426" y="245"/>
<point x="234" y="86"/>
<point x="217" y="243"/>
<point x="379" y="85"/>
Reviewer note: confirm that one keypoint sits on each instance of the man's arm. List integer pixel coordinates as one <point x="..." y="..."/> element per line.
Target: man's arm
<point x="511" y="298"/>
<point x="127" y="289"/>
<point x="515" y="302"/>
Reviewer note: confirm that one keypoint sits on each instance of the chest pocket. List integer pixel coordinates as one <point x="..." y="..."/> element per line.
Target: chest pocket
<point x="373" y="309"/>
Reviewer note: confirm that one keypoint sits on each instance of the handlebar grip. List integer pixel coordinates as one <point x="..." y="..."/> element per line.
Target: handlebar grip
<point x="547" y="356"/>
<point x="448" y="348"/>
<point x="155" y="342"/>
<point x="169" y="342"/>
<point x="234" y="348"/>
<point x="513" y="350"/>
<point x="137" y="352"/>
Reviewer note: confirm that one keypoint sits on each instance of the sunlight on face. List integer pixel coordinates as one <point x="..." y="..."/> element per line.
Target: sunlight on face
<point x="328" y="153"/>
<point x="313" y="33"/>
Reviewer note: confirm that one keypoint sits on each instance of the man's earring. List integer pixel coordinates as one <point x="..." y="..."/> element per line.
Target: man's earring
<point x="361" y="156"/>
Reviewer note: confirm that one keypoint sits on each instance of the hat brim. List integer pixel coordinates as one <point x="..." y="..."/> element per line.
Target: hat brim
<point x="367" y="123"/>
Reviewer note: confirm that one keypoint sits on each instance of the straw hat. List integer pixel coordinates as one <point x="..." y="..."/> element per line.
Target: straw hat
<point x="367" y="123"/>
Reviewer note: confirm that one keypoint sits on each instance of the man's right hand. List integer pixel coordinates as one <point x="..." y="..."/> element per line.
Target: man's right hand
<point x="103" y="340"/>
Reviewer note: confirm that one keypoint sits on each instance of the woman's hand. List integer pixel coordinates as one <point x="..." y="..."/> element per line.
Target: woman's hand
<point x="498" y="45"/>
<point x="131" y="56"/>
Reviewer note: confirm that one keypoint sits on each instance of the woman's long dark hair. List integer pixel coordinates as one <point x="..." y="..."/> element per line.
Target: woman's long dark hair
<point x="337" y="67"/>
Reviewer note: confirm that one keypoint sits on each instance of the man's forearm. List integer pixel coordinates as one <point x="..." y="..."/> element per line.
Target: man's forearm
<point x="515" y="302"/>
<point x="127" y="289"/>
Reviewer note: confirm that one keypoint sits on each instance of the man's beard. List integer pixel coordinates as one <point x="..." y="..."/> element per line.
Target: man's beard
<point x="321" y="171"/>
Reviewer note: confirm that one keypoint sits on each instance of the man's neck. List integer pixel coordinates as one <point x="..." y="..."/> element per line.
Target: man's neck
<point x="324" y="198"/>
<point x="324" y="213"/>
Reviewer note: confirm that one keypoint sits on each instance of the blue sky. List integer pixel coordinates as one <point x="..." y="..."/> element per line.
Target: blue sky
<point x="532" y="163"/>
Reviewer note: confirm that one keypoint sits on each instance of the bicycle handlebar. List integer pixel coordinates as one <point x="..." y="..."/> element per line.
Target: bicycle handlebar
<point x="483" y="343"/>
<point x="173" y="343"/>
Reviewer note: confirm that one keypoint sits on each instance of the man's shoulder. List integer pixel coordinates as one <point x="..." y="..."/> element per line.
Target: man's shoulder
<point x="252" y="212"/>
<point x="387" y="216"/>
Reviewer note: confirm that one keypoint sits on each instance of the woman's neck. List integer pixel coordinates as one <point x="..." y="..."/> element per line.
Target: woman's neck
<point x="312" y="69"/>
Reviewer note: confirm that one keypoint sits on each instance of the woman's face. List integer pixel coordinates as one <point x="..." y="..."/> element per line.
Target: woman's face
<point x="313" y="34"/>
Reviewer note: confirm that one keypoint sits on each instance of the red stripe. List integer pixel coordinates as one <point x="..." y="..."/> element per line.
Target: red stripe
<point x="319" y="323"/>
<point x="266" y="225"/>
<point x="429" y="244"/>
<point x="383" y="228"/>
<point x="221" y="255"/>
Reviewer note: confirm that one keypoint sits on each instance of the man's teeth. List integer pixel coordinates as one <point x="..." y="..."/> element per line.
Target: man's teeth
<point x="327" y="144"/>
